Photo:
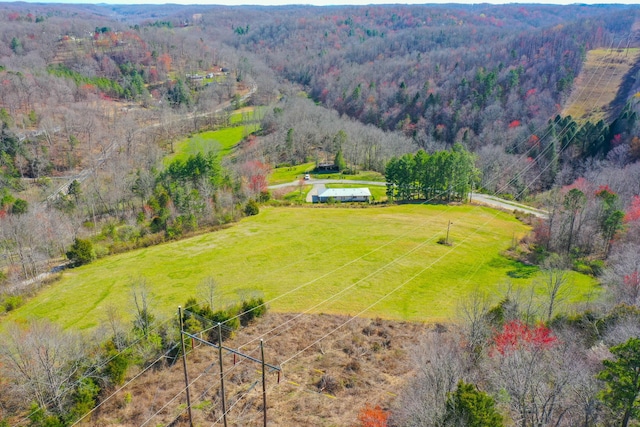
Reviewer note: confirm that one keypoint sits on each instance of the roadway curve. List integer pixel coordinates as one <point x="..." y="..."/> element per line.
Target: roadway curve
<point x="496" y="202"/>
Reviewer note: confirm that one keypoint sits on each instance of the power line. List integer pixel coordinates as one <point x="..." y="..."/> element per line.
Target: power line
<point x="398" y="287"/>
<point x="346" y="289"/>
<point x="389" y="293"/>
<point x="380" y="299"/>
<point x="549" y="146"/>
<point x="335" y="295"/>
<point x="101" y="365"/>
<point x="526" y="168"/>
<point x="206" y="371"/>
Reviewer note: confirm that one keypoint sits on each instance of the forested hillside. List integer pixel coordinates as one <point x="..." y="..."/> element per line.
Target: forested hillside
<point x="97" y="105"/>
<point x="486" y="76"/>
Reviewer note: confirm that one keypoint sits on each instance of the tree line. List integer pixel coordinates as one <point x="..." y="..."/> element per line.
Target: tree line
<point x="444" y="175"/>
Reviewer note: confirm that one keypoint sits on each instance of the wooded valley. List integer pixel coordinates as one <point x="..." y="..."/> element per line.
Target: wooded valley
<point x="104" y="111"/>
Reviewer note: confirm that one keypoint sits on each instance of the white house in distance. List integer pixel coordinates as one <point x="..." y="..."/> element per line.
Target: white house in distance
<point x="343" y="195"/>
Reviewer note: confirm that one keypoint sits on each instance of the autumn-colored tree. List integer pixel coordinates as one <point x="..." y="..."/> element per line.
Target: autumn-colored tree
<point x="371" y="416"/>
<point x="530" y="364"/>
<point x="633" y="211"/>
<point x="256" y="173"/>
<point x="164" y="62"/>
<point x="517" y="335"/>
<point x="153" y="75"/>
<point x="632" y="285"/>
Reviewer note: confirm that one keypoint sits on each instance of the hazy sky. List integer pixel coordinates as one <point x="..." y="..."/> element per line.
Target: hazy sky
<point x="325" y="2"/>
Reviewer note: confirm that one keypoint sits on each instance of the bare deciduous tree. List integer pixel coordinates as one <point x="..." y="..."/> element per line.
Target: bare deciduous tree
<point x="439" y="366"/>
<point x="554" y="284"/>
<point x="535" y="379"/>
<point x="141" y="298"/>
<point x="208" y="292"/>
<point x="476" y="327"/>
<point x="623" y="275"/>
<point x="41" y="363"/>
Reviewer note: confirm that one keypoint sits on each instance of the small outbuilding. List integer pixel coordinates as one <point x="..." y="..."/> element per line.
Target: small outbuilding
<point x="343" y="195"/>
<point x="326" y="167"/>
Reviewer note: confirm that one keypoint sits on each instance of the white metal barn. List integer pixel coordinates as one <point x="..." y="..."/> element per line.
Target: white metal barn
<point x="343" y="195"/>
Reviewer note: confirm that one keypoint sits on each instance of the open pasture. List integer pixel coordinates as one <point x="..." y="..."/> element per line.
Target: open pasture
<point x="375" y="262"/>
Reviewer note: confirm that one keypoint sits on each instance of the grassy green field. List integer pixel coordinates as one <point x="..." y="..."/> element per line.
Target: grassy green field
<point x="299" y="195"/>
<point x="223" y="140"/>
<point x="377" y="262"/>
<point x="361" y="176"/>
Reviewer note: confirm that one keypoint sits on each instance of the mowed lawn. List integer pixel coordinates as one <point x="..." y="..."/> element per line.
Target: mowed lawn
<point x="375" y="262"/>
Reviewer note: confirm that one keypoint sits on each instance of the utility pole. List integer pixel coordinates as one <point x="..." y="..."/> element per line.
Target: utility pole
<point x="221" y="348"/>
<point x="264" y="386"/>
<point x="448" y="227"/>
<point x="184" y="365"/>
<point x="224" y="405"/>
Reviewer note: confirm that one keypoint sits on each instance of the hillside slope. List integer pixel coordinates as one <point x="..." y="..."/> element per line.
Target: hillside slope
<point x="598" y="92"/>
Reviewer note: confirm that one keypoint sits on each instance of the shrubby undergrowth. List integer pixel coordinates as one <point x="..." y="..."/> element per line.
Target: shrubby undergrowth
<point x="55" y="377"/>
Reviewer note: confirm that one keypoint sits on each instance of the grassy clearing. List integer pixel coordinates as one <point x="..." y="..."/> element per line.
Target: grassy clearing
<point x="304" y="256"/>
<point x="598" y="83"/>
<point x="247" y="114"/>
<point x="290" y="173"/>
<point x="296" y="195"/>
<point x="223" y="140"/>
<point x="299" y="195"/>
<point x="361" y="176"/>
